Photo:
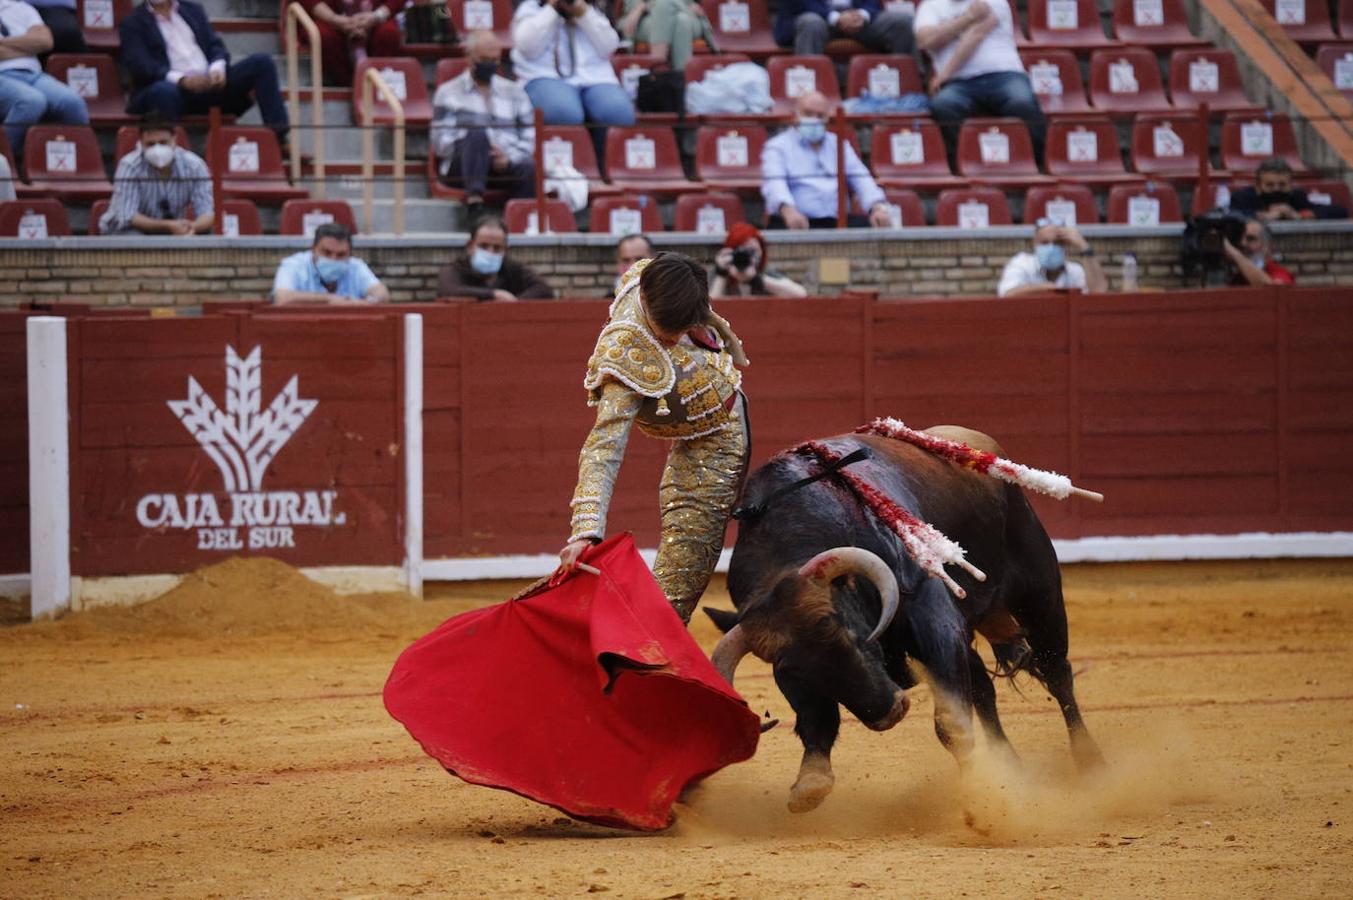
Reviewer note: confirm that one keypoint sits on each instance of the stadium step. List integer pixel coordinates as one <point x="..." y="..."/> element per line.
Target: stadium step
<point x="241" y="9"/>
<point x="343" y="181"/>
<point x="245" y="37"/>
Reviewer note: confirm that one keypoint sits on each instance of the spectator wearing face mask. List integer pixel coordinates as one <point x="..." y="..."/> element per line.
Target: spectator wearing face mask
<point x="1047" y="268"/>
<point x="740" y="268"/>
<point x="630" y="249"/>
<point x="482" y="132"/>
<point x="798" y="168"/>
<point x="327" y="272"/>
<point x="1273" y="197"/>
<point x="485" y="273"/>
<point x="1252" y="262"/>
<point x="155" y="186"/>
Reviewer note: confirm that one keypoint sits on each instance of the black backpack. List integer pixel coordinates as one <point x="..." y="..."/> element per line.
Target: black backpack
<point x="662" y="92"/>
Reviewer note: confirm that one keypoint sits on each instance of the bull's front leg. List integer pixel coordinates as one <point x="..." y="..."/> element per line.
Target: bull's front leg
<point x="941" y="647"/>
<point x="818" y="721"/>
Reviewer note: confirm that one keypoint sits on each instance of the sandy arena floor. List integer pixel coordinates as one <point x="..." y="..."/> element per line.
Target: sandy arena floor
<point x="180" y="749"/>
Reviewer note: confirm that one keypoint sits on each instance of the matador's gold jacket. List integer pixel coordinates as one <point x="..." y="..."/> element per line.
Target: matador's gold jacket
<point x="677" y="393"/>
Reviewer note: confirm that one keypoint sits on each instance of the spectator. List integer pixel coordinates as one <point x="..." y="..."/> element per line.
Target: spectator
<point x="1273" y="197"/>
<point x="1047" y="268"/>
<point x="630" y="249"/>
<point x="349" y="30"/>
<point x="1254" y="264"/>
<point x="60" y="16"/>
<point x="485" y="273"/>
<point x="798" y="169"/>
<point x="561" y="51"/>
<point x="808" y="24"/>
<point x="156" y="184"/>
<point x="180" y="66"/>
<point x="668" y="29"/>
<point x="327" y="272"/>
<point x="6" y="181"/>
<point x="27" y="94"/>
<point x="740" y="268"/>
<point x="483" y="126"/>
<point x="977" y="71"/>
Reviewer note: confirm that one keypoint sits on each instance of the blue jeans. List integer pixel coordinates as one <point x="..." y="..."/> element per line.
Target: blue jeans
<point x="597" y="104"/>
<point x="249" y="80"/>
<point x="27" y="98"/>
<point x="993" y="94"/>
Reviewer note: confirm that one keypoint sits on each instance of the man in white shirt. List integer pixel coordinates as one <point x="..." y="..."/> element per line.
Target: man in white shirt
<point x="561" y="51"/>
<point x="482" y="130"/>
<point x="798" y="172"/>
<point x="27" y="94"/>
<point x="977" y="70"/>
<point x="1048" y="269"/>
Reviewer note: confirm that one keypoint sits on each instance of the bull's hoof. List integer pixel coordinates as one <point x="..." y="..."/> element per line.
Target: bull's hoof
<point x="814" y="784"/>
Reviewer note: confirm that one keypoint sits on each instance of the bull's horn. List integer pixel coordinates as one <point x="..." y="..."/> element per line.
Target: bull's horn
<point x="730" y="650"/>
<point x="831" y="564"/>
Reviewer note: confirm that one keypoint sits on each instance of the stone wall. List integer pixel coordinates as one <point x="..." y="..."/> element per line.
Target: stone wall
<point x="166" y="272"/>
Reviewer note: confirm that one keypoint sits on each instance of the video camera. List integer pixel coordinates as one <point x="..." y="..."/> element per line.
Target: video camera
<point x="1204" y="251"/>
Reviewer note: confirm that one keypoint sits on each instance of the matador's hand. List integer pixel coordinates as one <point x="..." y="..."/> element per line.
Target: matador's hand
<point x="569" y="556"/>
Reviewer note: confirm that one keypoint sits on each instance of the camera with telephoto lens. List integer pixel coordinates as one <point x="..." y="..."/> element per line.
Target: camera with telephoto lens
<point x="1204" y="252"/>
<point x="742" y="259"/>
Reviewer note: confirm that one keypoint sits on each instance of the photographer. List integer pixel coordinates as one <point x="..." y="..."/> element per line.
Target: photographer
<point x="1253" y="266"/>
<point x="740" y="268"/>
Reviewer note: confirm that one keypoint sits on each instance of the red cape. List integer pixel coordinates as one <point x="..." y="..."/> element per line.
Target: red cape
<point x="590" y="696"/>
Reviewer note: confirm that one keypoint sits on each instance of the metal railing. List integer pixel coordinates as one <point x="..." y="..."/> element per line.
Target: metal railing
<point x="297" y="14"/>
<point x="372" y="79"/>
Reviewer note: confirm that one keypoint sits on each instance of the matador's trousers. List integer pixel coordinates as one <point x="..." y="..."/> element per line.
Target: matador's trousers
<point x="699" y="487"/>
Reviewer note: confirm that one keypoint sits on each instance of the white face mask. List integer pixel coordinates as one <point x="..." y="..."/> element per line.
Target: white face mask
<point x="158" y="155"/>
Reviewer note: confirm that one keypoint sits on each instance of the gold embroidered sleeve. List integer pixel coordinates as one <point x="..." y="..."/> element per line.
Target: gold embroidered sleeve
<point x="599" y="461"/>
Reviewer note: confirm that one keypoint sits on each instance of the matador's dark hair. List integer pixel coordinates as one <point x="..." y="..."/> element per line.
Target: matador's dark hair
<point x="675" y="289"/>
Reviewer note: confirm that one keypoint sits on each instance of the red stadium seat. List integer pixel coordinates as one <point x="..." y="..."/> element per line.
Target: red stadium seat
<point x="1168" y="146"/>
<point x="1018" y="25"/>
<point x="1056" y="79"/>
<point x="571" y="145"/>
<point x="1336" y="61"/>
<point x="250" y="164"/>
<point x="644" y="159"/>
<point x="709" y="212"/>
<point x="1304" y="21"/>
<point x="1217" y="194"/>
<point x="976" y="207"/>
<point x="94" y="77"/>
<point x="239" y="218"/>
<point x="625" y="215"/>
<point x="449" y="67"/>
<point x="483" y="15"/>
<point x="1327" y="191"/>
<point x="33" y="219"/>
<point x="1073" y="204"/>
<point x="791" y="76"/>
<point x="98" y="21"/>
<point x="741" y="27"/>
<point x="1346" y="19"/>
<point x="1208" y="76"/>
<point x="1125" y="81"/>
<point x="883" y="75"/>
<point x="629" y="68"/>
<point x="523" y="217"/>
<point x="911" y="156"/>
<point x="728" y="157"/>
<point x="1067" y="23"/>
<point x="8" y="153"/>
<point x="1085" y="150"/>
<point x="129" y="136"/>
<point x="304" y="216"/>
<point x="1152" y="203"/>
<point x="1158" y="24"/>
<point x="96" y="211"/>
<point x="1246" y="141"/>
<point x="905" y="208"/>
<point x="63" y="161"/>
<point x="997" y="151"/>
<point x="404" y="75"/>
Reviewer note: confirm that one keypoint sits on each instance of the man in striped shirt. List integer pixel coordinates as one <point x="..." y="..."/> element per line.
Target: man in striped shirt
<point x="159" y="188"/>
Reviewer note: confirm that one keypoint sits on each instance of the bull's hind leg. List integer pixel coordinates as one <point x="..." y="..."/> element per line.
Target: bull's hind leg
<point x="1055" y="673"/>
<point x="817" y="723"/>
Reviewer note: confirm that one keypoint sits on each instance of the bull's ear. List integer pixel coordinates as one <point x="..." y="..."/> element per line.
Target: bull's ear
<point x="723" y="619"/>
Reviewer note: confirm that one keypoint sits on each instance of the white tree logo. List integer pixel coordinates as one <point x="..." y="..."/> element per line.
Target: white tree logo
<point x="243" y="440"/>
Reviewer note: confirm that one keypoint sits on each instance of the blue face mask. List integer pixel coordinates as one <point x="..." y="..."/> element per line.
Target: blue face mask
<point x="331" y="271"/>
<point x="813" y="130"/>
<point x="1051" y="257"/>
<point x="484" y="262"/>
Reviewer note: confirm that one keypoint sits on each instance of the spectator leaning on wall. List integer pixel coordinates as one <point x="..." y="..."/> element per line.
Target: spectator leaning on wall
<point x="484" y="272"/>
<point x="327" y="272"/>
<point x="1047" y="268"/>
<point x="156" y="184"/>
<point x="1272" y="197"/>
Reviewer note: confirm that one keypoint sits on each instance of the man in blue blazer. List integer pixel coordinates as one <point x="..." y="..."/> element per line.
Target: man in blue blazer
<point x="180" y="66"/>
<point x="806" y="25"/>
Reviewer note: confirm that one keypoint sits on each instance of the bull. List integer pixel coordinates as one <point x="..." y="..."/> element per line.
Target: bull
<point x="827" y="595"/>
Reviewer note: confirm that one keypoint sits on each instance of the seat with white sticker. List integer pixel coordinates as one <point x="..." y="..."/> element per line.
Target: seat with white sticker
<point x="1168" y="146"/>
<point x="1086" y="150"/>
<point x="98" y="22"/>
<point x="644" y="159"/>
<point x="629" y="68"/>
<point x="250" y="164"/>
<point x="95" y="78"/>
<point x="742" y="26"/>
<point x="998" y="151"/>
<point x="1150" y="203"/>
<point x="708" y="212"/>
<point x="1305" y="21"/>
<point x="404" y="75"/>
<point x="972" y="208"/>
<point x="239" y="218"/>
<point x="728" y="157"/>
<point x="1125" y="81"/>
<point x="1071" y="204"/>
<point x="33" y="219"/>
<point x="1210" y="76"/>
<point x="304" y="216"/>
<point x="1323" y="192"/>
<point x="1336" y="61"/>
<point x="1248" y="140"/>
<point x="791" y="76"/>
<point x="63" y="161"/>
<point x="483" y="15"/>
<point x="571" y="146"/>
<point x="1056" y="79"/>
<point x="630" y="214"/>
<point x="1073" y="24"/>
<point x="884" y="77"/>
<point x="904" y="208"/>
<point x="911" y="155"/>
<point x="1153" y="23"/>
<point x="523" y="217"/>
